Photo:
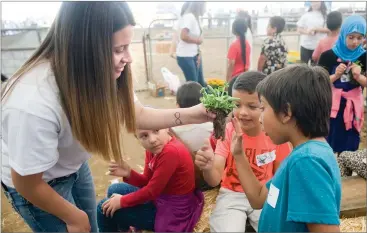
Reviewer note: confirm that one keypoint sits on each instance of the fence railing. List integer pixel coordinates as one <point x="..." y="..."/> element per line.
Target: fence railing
<point x="226" y="23"/>
<point x="149" y="35"/>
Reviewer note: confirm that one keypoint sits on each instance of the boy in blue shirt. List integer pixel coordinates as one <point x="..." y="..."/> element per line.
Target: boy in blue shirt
<point x="305" y="192"/>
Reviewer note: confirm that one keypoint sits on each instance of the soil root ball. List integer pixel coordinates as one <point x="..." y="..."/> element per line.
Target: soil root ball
<point x="220" y="125"/>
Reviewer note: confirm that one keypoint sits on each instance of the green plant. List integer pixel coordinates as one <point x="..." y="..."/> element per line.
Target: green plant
<point x="219" y="102"/>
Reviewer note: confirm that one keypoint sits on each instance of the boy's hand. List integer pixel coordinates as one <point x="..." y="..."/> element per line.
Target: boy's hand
<point x="123" y="170"/>
<point x="110" y="206"/>
<point x="340" y="70"/>
<point x="204" y="158"/>
<point x="356" y="71"/>
<point x="236" y="145"/>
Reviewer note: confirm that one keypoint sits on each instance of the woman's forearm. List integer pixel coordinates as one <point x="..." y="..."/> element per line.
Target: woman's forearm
<point x="303" y="31"/>
<point x="322" y="30"/>
<point x="188" y="39"/>
<point x="149" y="118"/>
<point x="40" y="194"/>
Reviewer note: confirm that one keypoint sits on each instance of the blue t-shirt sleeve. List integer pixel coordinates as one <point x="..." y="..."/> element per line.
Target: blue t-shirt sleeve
<point x="312" y="193"/>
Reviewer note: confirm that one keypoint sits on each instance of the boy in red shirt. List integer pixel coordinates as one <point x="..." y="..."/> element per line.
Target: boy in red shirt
<point x="239" y="51"/>
<point x="162" y="199"/>
<point x="232" y="207"/>
<point x="333" y="22"/>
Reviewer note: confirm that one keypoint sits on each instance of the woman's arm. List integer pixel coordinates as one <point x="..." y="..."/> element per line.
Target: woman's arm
<point x="40" y="194"/>
<point x="322" y="30"/>
<point x="303" y="31"/>
<point x="230" y="68"/>
<point x="188" y="39"/>
<point x="149" y="118"/>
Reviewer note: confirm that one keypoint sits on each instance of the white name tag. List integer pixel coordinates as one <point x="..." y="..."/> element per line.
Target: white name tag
<point x="265" y="158"/>
<point x="273" y="196"/>
<point x="344" y="78"/>
<point x="364" y="160"/>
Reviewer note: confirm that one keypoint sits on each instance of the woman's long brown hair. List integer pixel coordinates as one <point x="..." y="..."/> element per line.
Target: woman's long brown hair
<point x="79" y="48"/>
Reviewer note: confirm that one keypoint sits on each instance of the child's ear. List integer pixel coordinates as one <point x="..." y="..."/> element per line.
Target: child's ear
<point x="286" y="115"/>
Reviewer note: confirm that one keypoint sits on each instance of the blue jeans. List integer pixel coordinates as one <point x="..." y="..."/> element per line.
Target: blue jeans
<point x="141" y="216"/>
<point x="191" y="70"/>
<point x="77" y="188"/>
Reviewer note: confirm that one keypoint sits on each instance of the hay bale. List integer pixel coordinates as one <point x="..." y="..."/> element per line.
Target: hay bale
<point x="353" y="224"/>
<point x="209" y="203"/>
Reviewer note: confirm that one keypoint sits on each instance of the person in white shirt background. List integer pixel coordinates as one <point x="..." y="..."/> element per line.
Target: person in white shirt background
<point x="312" y="27"/>
<point x="176" y="33"/>
<point x="187" y="52"/>
<point x="73" y="98"/>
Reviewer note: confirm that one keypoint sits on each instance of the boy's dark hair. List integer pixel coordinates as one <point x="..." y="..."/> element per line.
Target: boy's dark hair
<point x="188" y="94"/>
<point x="247" y="81"/>
<point x="334" y="20"/>
<point x="230" y="85"/>
<point x="307" y="91"/>
<point x="278" y="23"/>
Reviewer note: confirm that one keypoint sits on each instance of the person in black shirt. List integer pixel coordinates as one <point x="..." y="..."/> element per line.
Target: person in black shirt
<point x="346" y="64"/>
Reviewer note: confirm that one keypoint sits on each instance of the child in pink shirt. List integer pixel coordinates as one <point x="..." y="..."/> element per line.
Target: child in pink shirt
<point x="333" y="22"/>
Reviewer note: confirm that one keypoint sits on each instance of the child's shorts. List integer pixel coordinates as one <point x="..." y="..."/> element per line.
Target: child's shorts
<point x="231" y="212"/>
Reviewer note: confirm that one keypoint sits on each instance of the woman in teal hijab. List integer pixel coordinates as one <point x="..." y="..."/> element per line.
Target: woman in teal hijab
<point x="346" y="63"/>
<point x="349" y="46"/>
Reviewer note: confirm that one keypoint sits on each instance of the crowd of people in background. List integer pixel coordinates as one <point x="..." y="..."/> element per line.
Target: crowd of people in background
<point x="294" y="132"/>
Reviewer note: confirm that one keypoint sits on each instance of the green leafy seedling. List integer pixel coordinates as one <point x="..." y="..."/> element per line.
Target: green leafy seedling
<point x="218" y="101"/>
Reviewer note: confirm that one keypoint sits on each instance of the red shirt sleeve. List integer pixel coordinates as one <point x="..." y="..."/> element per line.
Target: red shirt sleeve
<point x="232" y="52"/>
<point x="165" y="165"/>
<point x="139" y="180"/>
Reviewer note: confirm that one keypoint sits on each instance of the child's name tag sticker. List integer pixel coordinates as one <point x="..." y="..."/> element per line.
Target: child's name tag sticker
<point x="344" y="78"/>
<point x="364" y="160"/>
<point x="273" y="196"/>
<point x="265" y="158"/>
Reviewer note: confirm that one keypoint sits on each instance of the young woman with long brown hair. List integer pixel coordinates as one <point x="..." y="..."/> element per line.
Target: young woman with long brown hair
<point x="73" y="98"/>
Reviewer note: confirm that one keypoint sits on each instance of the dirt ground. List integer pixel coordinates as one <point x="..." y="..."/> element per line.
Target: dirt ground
<point x="214" y="63"/>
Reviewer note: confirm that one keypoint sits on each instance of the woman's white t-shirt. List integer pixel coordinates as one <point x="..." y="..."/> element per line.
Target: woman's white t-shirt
<point x="312" y="19"/>
<point x="36" y="134"/>
<point x="191" y="23"/>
